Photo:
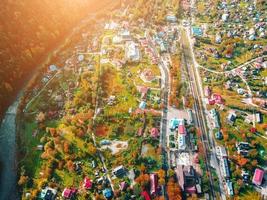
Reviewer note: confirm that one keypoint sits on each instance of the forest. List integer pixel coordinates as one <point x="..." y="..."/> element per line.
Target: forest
<point x="29" y="29"/>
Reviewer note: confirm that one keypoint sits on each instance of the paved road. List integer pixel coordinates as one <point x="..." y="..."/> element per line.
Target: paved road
<point x="197" y="92"/>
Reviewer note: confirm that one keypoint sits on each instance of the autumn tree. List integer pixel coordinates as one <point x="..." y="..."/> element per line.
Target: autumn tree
<point x="173" y="190"/>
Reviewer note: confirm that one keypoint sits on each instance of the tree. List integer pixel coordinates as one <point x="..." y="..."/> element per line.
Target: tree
<point x="173" y="190"/>
<point x="92" y="149"/>
<point x="40" y="117"/>
<point x="254" y="163"/>
<point x="171" y="172"/>
<point x="143" y="179"/>
<point x="70" y="166"/>
<point x="23" y="180"/>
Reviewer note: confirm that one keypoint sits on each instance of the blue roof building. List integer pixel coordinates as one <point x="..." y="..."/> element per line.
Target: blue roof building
<point x="142" y="105"/>
<point x="107" y="193"/>
<point x="53" y="68"/>
<point x="197" y="31"/>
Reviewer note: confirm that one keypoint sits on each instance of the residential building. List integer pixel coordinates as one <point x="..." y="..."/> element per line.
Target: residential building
<point x="258" y="177"/>
<point x="153" y="184"/>
<point x="132" y="52"/>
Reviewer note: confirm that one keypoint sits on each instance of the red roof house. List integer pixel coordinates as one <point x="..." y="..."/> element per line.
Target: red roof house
<point x="153" y="184"/>
<point x="154" y="132"/>
<point x="145" y="195"/>
<point x="218" y="98"/>
<point x="87" y="183"/>
<point x="258" y="176"/>
<point x="211" y="101"/>
<point x="181" y="129"/>
<point x="68" y="193"/>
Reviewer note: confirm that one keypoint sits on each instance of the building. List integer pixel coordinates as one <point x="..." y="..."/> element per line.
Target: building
<point x="87" y="183"/>
<point x="154" y="132"/>
<point x="230" y="189"/>
<point x="119" y="171"/>
<point x="69" y="193"/>
<point x="197" y="31"/>
<point x="48" y="194"/>
<point x="221" y="152"/>
<point x="258" y="177"/>
<point x="132" y="52"/>
<point x="107" y="193"/>
<point x="142" y="105"/>
<point x="258" y="117"/>
<point x="207" y="91"/>
<point x="171" y="18"/>
<point x="215" y="116"/>
<point x="180" y="176"/>
<point x="182" y="129"/>
<point x="181" y="142"/>
<point x="231" y="118"/>
<point x="145" y="195"/>
<point x="225" y="167"/>
<point x="153" y="184"/>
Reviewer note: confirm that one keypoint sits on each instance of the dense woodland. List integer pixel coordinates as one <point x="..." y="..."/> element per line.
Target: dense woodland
<point x="29" y="29"/>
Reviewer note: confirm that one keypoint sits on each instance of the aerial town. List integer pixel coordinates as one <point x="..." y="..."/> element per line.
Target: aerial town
<point x="151" y="99"/>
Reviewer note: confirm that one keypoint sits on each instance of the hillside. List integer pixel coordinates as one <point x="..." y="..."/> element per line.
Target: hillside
<point x="29" y="29"/>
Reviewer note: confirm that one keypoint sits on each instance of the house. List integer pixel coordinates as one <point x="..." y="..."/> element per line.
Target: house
<point x="125" y="34"/>
<point x="87" y="183"/>
<point x="117" y="39"/>
<point x="143" y="91"/>
<point x="123" y="185"/>
<point x="105" y="142"/>
<point x="225" y="17"/>
<point x="221" y="152"/>
<point x="132" y="52"/>
<point x="225" y="167"/>
<point x="231" y="118"/>
<point x="80" y="58"/>
<point x="258" y="117"/>
<point x="218" y="98"/>
<point x="53" y="68"/>
<point x="142" y="105"/>
<point x="181" y="129"/>
<point x="217" y="123"/>
<point x="197" y="31"/>
<point x="218" y="38"/>
<point x="207" y="91"/>
<point x="258" y="177"/>
<point x="119" y="171"/>
<point x="154" y="132"/>
<point x="171" y="18"/>
<point x="174" y="123"/>
<point x="180" y="176"/>
<point x="147" y="75"/>
<point x="189" y="176"/>
<point x="218" y="135"/>
<point x="145" y="195"/>
<point x="229" y="186"/>
<point x="153" y="184"/>
<point x="245" y="176"/>
<point x="68" y="193"/>
<point x="111" y="26"/>
<point x="181" y="142"/>
<point x="107" y="193"/>
<point x="48" y="194"/>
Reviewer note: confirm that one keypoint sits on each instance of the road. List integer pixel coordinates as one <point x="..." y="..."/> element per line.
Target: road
<point x="197" y="92"/>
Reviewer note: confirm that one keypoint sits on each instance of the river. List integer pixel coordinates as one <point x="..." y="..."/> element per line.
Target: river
<point x="8" y="172"/>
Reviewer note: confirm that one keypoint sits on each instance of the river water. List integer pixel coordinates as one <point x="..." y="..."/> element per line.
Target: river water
<point x="8" y="171"/>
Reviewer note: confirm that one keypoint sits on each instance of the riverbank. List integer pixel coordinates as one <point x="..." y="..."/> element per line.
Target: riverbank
<point x="12" y="121"/>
